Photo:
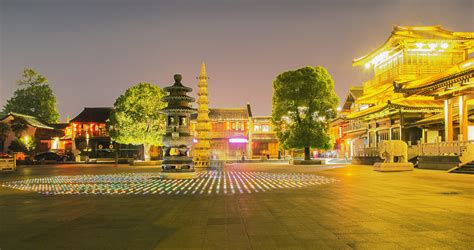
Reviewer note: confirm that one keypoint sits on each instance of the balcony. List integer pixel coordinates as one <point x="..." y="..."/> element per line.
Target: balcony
<point x="406" y="72"/>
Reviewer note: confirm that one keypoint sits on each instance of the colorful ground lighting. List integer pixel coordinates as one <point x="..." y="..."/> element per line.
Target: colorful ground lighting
<point x="207" y="182"/>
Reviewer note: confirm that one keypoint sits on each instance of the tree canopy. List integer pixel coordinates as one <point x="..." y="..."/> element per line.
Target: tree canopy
<point x="136" y="118"/>
<point x="303" y="103"/>
<point x="34" y="97"/>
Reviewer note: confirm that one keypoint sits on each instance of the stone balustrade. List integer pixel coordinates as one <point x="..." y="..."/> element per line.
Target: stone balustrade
<point x="444" y="148"/>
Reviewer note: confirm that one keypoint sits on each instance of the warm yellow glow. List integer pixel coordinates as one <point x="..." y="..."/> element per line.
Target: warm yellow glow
<point x="367" y="65"/>
<point x="420" y="45"/>
<point x="433" y="46"/>
<point x="380" y="57"/>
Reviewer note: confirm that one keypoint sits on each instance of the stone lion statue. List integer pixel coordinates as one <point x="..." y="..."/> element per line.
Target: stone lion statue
<point x="389" y="149"/>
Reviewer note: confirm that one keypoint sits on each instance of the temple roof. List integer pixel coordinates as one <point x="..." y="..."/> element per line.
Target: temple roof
<point x="98" y="115"/>
<point x="352" y="96"/>
<point x="402" y="34"/>
<point x="371" y="95"/>
<point x="404" y="104"/>
<point x="31" y="120"/>
<point x="177" y="86"/>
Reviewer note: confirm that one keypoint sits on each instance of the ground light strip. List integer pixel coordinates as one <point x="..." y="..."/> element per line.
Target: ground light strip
<point x="207" y="182"/>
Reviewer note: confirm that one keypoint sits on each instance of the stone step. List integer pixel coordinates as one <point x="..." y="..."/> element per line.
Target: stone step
<point x="461" y="171"/>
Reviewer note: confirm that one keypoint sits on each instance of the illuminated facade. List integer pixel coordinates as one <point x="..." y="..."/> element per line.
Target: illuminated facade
<point x="46" y="136"/>
<point x="236" y="134"/>
<point x="88" y="135"/>
<point x="202" y="149"/>
<point x="263" y="138"/>
<point x="420" y="92"/>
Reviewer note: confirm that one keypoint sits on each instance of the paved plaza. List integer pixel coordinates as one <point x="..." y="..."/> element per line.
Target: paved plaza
<point x="246" y="206"/>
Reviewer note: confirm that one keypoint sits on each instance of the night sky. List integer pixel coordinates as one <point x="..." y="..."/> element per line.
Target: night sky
<point x="91" y="51"/>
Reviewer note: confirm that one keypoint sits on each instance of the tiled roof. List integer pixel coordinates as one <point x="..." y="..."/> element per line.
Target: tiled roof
<point x="31" y="120"/>
<point x="403" y="33"/>
<point x="99" y="115"/>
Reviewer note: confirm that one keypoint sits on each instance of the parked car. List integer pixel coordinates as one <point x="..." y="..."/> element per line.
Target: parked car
<point x="7" y="162"/>
<point x="49" y="157"/>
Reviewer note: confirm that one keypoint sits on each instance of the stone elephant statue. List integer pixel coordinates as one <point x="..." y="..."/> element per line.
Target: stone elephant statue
<point x="389" y="149"/>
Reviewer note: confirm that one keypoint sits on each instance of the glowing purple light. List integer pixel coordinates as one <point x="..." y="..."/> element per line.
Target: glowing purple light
<point x="238" y="140"/>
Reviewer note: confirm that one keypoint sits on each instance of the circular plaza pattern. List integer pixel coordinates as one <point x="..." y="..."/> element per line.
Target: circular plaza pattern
<point x="206" y="182"/>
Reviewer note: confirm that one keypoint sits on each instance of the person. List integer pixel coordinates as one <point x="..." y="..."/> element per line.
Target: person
<point x="268" y="156"/>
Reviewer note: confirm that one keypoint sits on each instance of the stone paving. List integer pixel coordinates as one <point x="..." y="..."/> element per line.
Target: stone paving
<point x="352" y="207"/>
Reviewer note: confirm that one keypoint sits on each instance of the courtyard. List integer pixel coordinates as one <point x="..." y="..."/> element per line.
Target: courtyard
<point x="259" y="206"/>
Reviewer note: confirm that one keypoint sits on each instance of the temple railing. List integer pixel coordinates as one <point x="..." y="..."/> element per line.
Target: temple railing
<point x="366" y="152"/>
<point x="444" y="148"/>
<point x="406" y="70"/>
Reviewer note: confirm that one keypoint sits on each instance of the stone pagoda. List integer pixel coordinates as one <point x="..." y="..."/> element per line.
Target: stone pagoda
<point x="203" y="127"/>
<point x="177" y="140"/>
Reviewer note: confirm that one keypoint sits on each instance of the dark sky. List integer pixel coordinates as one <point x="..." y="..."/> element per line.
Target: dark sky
<point x="91" y="51"/>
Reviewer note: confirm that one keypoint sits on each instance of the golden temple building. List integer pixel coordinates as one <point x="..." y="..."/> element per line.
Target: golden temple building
<point x="202" y="149"/>
<point x="421" y="92"/>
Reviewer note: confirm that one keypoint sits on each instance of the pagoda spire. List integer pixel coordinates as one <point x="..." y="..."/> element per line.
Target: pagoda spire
<point x="202" y="149"/>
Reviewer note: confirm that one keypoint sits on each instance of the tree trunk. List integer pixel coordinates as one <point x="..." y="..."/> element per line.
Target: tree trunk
<point x="307" y="156"/>
<point x="146" y="151"/>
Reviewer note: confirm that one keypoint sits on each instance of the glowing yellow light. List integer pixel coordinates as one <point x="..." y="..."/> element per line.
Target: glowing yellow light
<point x="367" y="65"/>
<point x="420" y="45"/>
<point x="433" y="45"/>
<point x="444" y="45"/>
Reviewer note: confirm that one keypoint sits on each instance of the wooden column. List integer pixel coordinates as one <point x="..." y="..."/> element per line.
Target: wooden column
<point x="448" y="120"/>
<point x="463" y="118"/>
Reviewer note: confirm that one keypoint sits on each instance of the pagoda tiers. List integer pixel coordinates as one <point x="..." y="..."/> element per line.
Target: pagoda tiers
<point x="177" y="140"/>
<point x="202" y="149"/>
<point x="420" y="92"/>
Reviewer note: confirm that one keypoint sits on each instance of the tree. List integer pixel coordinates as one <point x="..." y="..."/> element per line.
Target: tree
<point x="303" y="103"/>
<point x="136" y="118"/>
<point x="34" y="97"/>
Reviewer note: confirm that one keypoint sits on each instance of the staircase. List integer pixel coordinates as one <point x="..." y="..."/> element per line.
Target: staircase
<point x="466" y="169"/>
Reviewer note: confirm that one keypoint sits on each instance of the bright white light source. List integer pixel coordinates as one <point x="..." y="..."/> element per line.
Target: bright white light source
<point x="444" y="45"/>
<point x="419" y="45"/>
<point x="367" y="65"/>
<point x="238" y="140"/>
<point x="433" y="46"/>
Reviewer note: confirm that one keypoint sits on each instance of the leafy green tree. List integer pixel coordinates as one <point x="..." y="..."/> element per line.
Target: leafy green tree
<point x="24" y="144"/>
<point x="303" y="103"/>
<point x="136" y="118"/>
<point x="34" y="97"/>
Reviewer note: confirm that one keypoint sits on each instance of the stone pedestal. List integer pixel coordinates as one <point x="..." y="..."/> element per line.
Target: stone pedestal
<point x="393" y="166"/>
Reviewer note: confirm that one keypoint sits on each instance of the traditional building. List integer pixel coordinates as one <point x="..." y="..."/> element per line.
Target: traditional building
<point x="46" y="137"/>
<point x="263" y="138"/>
<point x="236" y="134"/>
<point x="420" y="74"/>
<point x="202" y="148"/>
<point x="229" y="132"/>
<point x="89" y="136"/>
